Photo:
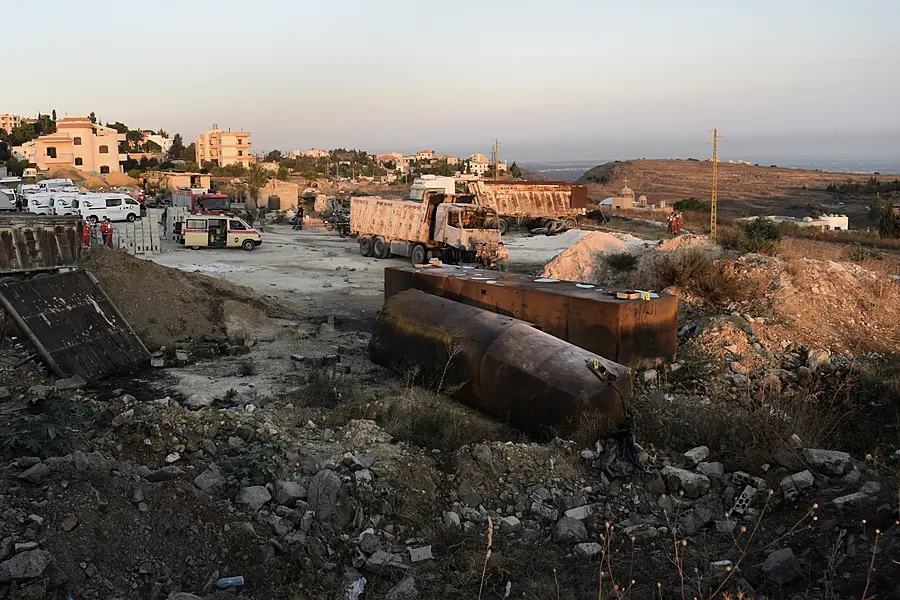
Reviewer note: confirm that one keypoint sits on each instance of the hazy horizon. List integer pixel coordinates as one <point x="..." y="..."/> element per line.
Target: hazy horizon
<point x="569" y="81"/>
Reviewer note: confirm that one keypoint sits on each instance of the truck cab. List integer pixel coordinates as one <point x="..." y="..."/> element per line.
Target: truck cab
<point x="464" y="226"/>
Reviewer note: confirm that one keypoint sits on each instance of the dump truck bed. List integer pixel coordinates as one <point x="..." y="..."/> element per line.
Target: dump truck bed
<point x="30" y="243"/>
<point x="390" y="219"/>
<point x="531" y="198"/>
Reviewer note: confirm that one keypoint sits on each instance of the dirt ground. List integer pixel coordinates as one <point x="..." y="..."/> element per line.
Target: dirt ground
<point x="743" y="189"/>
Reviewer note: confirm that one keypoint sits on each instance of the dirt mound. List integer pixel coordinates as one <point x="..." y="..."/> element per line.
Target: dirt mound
<point x="121" y="179"/>
<point x="686" y="241"/>
<point x="576" y="263"/>
<point x="167" y="305"/>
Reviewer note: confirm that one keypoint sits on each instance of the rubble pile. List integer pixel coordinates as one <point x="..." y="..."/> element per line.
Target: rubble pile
<point x="576" y="263"/>
<point x="165" y="306"/>
<point x="256" y="492"/>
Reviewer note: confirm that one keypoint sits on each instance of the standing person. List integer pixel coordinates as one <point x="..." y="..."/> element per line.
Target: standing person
<point x="106" y="232"/>
<point x="300" y="217"/>
<point x="679" y="222"/>
<point x="501" y="258"/>
<point x="86" y="230"/>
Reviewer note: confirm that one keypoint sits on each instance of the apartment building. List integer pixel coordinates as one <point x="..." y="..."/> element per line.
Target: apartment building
<point x="78" y="143"/>
<point x="163" y="142"/>
<point x="223" y="148"/>
<point x="9" y="122"/>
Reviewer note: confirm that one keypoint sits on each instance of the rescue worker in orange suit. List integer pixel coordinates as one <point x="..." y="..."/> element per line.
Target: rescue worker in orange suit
<point x="106" y="232"/>
<point x="86" y="231"/>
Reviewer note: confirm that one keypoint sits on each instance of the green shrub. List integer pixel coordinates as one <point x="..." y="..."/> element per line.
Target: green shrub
<point x="50" y="425"/>
<point x="760" y="236"/>
<point x="621" y="261"/>
<point x="859" y="253"/>
<point x="134" y="173"/>
<point x="693" y="204"/>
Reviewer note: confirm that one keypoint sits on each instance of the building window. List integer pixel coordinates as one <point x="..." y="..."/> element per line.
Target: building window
<point x="51" y="152"/>
<point x="240" y="152"/>
<point x="76" y="141"/>
<point x="240" y="141"/>
<point x="79" y="161"/>
<point x="104" y="150"/>
<point x="104" y="170"/>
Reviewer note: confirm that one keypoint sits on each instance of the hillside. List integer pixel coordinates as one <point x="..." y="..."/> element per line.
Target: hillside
<point x="743" y="189"/>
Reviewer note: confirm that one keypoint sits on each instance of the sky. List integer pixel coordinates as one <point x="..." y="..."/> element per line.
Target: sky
<point x="561" y="80"/>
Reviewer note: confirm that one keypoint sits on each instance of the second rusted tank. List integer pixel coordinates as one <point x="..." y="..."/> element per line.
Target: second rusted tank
<point x="499" y="364"/>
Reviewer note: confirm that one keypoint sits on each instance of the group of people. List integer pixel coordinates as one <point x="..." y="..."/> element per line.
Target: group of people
<point x="675" y="222"/>
<point x="106" y="232"/>
<point x="486" y="258"/>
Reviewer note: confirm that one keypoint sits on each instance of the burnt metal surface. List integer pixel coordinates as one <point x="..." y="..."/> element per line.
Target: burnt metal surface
<point x="30" y="243"/>
<point x="635" y="333"/>
<point x="499" y="364"/>
<point x="73" y="324"/>
<point x="531" y="198"/>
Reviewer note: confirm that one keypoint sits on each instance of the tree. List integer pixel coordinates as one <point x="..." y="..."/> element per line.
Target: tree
<point x="257" y="177"/>
<point x="151" y="146"/>
<point x="120" y="127"/>
<point x="273" y="156"/>
<point x="283" y="174"/>
<point x="92" y="117"/>
<point x="53" y="114"/>
<point x="45" y="125"/>
<point x="515" y="171"/>
<point x="890" y="225"/>
<point x="189" y="154"/>
<point x="23" y="133"/>
<point x="177" y="147"/>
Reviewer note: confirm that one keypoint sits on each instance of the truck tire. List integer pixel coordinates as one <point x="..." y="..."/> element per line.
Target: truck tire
<point x="503" y="226"/>
<point x="380" y="248"/>
<point x="248" y="245"/>
<point x="554" y="226"/>
<point x="571" y="223"/>
<point x="419" y="255"/>
<point x="130" y="218"/>
<point x="365" y="245"/>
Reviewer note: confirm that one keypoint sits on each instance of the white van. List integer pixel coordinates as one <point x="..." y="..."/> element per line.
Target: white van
<point x="7" y="199"/>
<point x="38" y="204"/>
<point x="54" y="184"/>
<point x="64" y="204"/>
<point x="116" y="207"/>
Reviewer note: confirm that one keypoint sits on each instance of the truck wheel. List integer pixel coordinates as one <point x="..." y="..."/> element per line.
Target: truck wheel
<point x="380" y="248"/>
<point x="93" y="219"/>
<point x="130" y="218"/>
<point x="248" y="245"/>
<point x="365" y="245"/>
<point x="419" y="255"/>
<point x="571" y="223"/>
<point x="504" y="226"/>
<point x="554" y="226"/>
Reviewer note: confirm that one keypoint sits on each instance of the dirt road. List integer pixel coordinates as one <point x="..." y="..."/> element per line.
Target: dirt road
<point x="315" y="271"/>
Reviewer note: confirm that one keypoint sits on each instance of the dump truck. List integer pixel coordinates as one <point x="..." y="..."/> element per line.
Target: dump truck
<point x="32" y="244"/>
<point x="433" y="228"/>
<point x="554" y="205"/>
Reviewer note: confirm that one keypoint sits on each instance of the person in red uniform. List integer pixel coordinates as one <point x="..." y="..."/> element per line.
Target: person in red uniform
<point x="86" y="230"/>
<point x="106" y="231"/>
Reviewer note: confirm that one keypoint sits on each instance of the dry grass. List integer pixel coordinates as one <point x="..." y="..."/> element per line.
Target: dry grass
<point x="795" y="248"/>
<point x="426" y="419"/>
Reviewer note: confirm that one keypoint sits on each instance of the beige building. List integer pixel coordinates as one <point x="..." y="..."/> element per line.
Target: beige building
<point x="311" y="153"/>
<point x="173" y="180"/>
<point x="223" y="148"/>
<point x="625" y="198"/>
<point x="77" y="143"/>
<point x="10" y="122"/>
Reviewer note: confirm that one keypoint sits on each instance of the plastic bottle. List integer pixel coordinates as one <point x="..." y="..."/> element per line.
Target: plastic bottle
<point x="229" y="582"/>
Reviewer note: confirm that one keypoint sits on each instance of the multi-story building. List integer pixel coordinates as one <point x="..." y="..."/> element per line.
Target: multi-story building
<point x="311" y="153"/>
<point x="425" y="155"/>
<point x="10" y="122"/>
<point x="223" y="148"/>
<point x="77" y="143"/>
<point x="163" y="142"/>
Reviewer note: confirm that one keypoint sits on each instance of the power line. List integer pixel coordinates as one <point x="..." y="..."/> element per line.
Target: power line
<point x="715" y="182"/>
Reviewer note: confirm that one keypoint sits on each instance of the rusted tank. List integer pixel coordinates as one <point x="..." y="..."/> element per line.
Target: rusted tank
<point x="531" y="201"/>
<point x="499" y="364"/>
<point x="635" y="333"/>
<point x="32" y="243"/>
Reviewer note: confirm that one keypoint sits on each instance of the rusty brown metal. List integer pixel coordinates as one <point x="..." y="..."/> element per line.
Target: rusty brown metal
<point x="32" y="243"/>
<point x="73" y="324"/>
<point x="635" y="333"/>
<point x="531" y="198"/>
<point x="499" y="364"/>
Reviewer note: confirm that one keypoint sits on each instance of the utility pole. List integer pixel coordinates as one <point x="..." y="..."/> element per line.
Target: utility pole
<point x="496" y="159"/>
<point x="715" y="183"/>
